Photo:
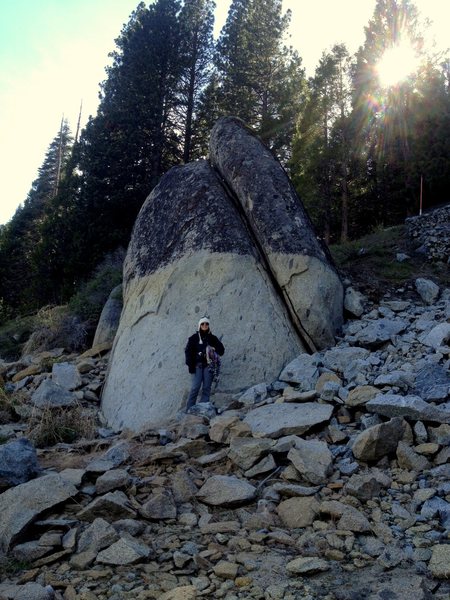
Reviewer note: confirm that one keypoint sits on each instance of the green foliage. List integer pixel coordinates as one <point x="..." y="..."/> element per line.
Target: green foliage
<point x="357" y="158"/>
<point x="392" y="270"/>
<point x="8" y="404"/>
<point x="10" y="567"/>
<point x="18" y="239"/>
<point x="261" y="79"/>
<point x="375" y="255"/>
<point x="321" y="155"/>
<point x="196" y="52"/>
<point x="381" y="239"/>
<point x="56" y="327"/>
<point x="13" y="335"/>
<point x="88" y="302"/>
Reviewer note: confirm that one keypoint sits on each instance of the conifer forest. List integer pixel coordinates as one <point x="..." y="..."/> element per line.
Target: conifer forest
<point x="357" y="148"/>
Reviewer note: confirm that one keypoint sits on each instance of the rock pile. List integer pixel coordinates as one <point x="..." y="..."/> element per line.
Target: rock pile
<point x="330" y="483"/>
<point x="431" y="231"/>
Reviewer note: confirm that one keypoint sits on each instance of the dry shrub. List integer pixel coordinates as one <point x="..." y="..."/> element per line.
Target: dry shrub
<point x="50" y="426"/>
<point x="8" y="403"/>
<point x="56" y="327"/>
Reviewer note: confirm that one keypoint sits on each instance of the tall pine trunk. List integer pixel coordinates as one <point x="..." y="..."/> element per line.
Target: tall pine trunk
<point x="190" y="104"/>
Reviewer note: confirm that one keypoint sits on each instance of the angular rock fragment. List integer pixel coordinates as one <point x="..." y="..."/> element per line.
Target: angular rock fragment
<point x="244" y="452"/>
<point x="439" y="564"/>
<point x="379" y="440"/>
<point x="413" y="407"/>
<point x="159" y="506"/>
<point x="409" y="459"/>
<point x="380" y="331"/>
<point x="298" y="512"/>
<point x="223" y="490"/>
<point x="111" y="480"/>
<point x="18" y="463"/>
<point x="53" y="395"/>
<point x="66" y="375"/>
<point x="307" y="565"/>
<point x="21" y="505"/>
<point x="312" y="459"/>
<point x="350" y="518"/>
<point x="367" y="485"/>
<point x="112" y="505"/>
<point x="126" y="551"/>
<point x="97" y="536"/>
<point x="276" y="420"/>
<point x="302" y="371"/>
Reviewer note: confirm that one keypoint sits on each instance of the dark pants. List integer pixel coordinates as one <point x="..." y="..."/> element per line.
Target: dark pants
<point x="201" y="376"/>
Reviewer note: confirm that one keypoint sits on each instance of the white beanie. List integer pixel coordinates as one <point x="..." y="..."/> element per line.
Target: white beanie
<point x="202" y="320"/>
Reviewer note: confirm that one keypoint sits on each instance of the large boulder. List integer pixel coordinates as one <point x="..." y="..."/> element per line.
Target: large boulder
<point x="300" y="265"/>
<point x="194" y="251"/>
<point x="109" y="318"/>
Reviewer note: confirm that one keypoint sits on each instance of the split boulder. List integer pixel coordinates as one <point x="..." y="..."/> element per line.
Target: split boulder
<point x="244" y="253"/>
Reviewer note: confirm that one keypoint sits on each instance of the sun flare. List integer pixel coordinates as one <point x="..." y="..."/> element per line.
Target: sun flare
<point x="396" y="64"/>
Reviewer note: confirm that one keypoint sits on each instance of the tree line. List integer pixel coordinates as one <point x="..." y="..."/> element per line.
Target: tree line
<point x="356" y="151"/>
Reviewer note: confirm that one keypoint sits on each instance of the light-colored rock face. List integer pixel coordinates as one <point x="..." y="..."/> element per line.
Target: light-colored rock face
<point x="254" y="266"/>
<point x="148" y="381"/>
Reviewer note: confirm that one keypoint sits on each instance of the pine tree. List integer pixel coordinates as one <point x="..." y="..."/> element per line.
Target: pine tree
<point x="321" y="148"/>
<point x="208" y="111"/>
<point x="197" y="46"/>
<point x="261" y="80"/>
<point x="123" y="150"/>
<point x="381" y="114"/>
<point x="19" y="238"/>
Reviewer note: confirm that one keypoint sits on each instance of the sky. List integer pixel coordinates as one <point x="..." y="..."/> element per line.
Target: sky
<point x="53" y="55"/>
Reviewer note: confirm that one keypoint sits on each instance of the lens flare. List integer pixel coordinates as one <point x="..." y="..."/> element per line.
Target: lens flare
<point x="396" y="64"/>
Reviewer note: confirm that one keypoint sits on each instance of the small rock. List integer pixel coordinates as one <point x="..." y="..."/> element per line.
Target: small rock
<point x="307" y="565"/>
<point x="223" y="490"/>
<point x="427" y="290"/>
<point x="298" y="512"/>
<point x="226" y="570"/>
<point x="439" y="564"/>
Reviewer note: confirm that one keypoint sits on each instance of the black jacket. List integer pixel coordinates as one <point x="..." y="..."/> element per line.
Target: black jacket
<point x="195" y="352"/>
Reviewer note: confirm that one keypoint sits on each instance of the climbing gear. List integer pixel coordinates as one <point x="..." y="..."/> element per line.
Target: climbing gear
<point x="213" y="360"/>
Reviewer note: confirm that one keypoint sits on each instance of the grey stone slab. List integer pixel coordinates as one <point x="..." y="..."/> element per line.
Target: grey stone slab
<point x="21" y="505"/>
<point x="276" y="420"/>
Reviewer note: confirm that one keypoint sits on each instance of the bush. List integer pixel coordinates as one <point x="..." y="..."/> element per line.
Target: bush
<point x="6" y="312"/>
<point x="10" y="567"/>
<point x="13" y="335"/>
<point x="8" y="402"/>
<point x="55" y="327"/>
<point x="50" y="426"/>
<point x="88" y="302"/>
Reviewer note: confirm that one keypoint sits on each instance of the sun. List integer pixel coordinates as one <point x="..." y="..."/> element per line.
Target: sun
<point x="396" y="64"/>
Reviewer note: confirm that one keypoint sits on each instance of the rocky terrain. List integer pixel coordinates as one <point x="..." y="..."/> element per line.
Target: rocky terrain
<point x="431" y="233"/>
<point x="331" y="482"/>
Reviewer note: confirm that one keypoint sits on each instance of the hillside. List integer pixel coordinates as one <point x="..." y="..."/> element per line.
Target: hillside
<point x="389" y="260"/>
<point x="329" y="483"/>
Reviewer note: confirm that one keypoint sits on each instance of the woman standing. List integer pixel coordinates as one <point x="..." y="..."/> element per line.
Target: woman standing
<point x="200" y="350"/>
